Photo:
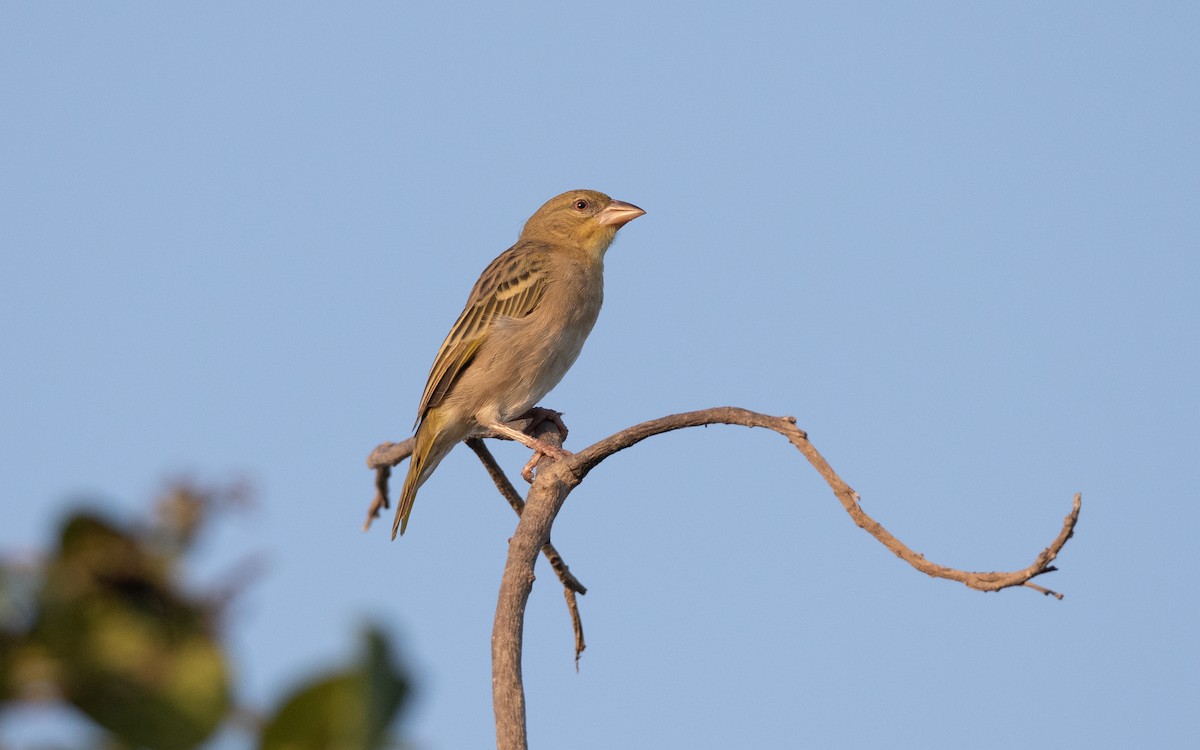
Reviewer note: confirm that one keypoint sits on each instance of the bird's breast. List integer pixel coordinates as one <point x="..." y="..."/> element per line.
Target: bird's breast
<point x="528" y="356"/>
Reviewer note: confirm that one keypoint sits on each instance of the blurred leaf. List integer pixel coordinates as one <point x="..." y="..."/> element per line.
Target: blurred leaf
<point x="348" y="710"/>
<point x="18" y="588"/>
<point x="132" y="652"/>
<point x="7" y="644"/>
<point x="8" y="653"/>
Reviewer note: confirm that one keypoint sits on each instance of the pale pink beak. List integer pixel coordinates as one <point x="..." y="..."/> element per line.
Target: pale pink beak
<point x="618" y="213"/>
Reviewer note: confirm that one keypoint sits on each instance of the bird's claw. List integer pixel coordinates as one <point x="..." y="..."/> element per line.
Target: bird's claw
<point x="527" y="472"/>
<point x="542" y="414"/>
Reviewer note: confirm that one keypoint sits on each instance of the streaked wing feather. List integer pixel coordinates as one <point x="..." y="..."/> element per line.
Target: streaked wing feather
<point x="508" y="288"/>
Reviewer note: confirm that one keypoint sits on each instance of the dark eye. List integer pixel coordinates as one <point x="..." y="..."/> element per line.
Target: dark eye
<point x="581" y="204"/>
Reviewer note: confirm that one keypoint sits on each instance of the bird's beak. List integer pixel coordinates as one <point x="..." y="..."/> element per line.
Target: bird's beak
<point x="618" y="213"/>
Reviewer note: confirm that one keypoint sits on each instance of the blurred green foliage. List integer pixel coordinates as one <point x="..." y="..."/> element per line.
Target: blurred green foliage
<point x="349" y="709"/>
<point x="103" y="623"/>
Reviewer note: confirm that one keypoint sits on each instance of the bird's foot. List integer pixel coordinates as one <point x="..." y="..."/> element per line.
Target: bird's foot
<point x="541" y="414"/>
<point x="539" y="447"/>
<point x="528" y="441"/>
<point x="527" y="469"/>
<point x="555" y="452"/>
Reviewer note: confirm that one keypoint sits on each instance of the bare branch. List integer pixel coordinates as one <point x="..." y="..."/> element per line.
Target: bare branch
<point x="387" y="455"/>
<point x="382" y="459"/>
<point x="587" y="459"/>
<point x="390" y="454"/>
<point x="565" y="576"/>
<point x="546" y="497"/>
<point x="556" y="479"/>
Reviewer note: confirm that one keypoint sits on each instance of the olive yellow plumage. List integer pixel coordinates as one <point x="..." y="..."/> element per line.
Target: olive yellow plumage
<point x="523" y="326"/>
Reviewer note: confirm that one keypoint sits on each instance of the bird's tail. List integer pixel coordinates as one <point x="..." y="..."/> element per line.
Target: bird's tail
<point x="432" y="445"/>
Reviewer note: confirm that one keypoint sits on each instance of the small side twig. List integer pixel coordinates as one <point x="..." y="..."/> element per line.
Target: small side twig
<point x="571" y="584"/>
<point x="387" y="455"/>
<point x="382" y="459"/>
<point x="506" y="488"/>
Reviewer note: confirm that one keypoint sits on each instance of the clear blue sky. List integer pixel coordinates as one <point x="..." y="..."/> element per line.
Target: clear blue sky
<point x="960" y="242"/>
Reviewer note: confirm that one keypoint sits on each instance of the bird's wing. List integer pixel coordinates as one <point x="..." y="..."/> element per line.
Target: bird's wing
<point x="510" y="287"/>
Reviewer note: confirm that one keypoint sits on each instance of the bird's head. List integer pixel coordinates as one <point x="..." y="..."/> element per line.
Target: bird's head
<point x="585" y="218"/>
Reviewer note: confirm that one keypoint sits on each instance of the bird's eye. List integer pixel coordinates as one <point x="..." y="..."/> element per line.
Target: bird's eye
<point x="581" y="204"/>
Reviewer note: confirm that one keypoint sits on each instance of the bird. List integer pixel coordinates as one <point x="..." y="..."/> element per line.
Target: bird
<point x="522" y="328"/>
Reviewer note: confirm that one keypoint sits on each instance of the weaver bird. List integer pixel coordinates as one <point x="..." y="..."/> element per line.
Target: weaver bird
<point x="522" y="328"/>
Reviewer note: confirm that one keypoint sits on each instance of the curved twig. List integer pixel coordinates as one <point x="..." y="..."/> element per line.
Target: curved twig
<point x="382" y="459"/>
<point x="571" y="584"/>
<point x="387" y="455"/>
<point x="587" y="459"/>
<point x="555" y="481"/>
